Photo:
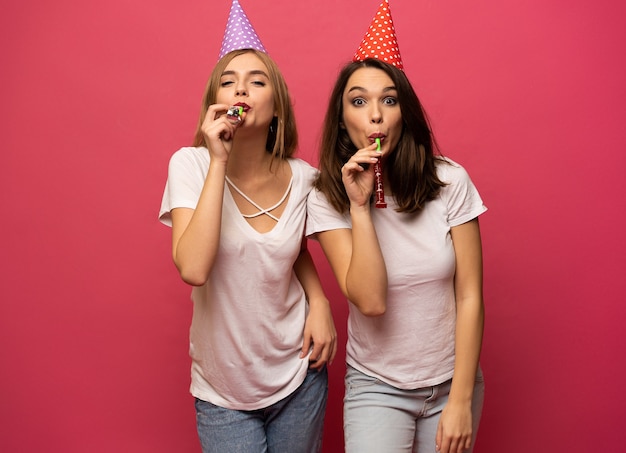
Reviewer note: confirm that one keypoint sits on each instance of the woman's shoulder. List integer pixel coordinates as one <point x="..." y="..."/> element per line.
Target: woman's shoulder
<point x="189" y="163"/>
<point x="189" y="155"/>
<point x="302" y="167"/>
<point x="191" y="152"/>
<point x="449" y="171"/>
<point x="459" y="193"/>
<point x="300" y="163"/>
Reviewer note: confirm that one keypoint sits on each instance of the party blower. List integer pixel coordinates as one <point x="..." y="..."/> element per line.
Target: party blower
<point x="378" y="175"/>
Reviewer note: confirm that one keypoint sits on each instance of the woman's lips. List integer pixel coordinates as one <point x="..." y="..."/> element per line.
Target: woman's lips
<point x="372" y="138"/>
<point x="245" y="106"/>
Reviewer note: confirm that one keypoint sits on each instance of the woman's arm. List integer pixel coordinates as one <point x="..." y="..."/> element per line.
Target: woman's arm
<point x="319" y="328"/>
<point x="196" y="232"/>
<point x="455" y="427"/>
<point x="357" y="262"/>
<point x="355" y="255"/>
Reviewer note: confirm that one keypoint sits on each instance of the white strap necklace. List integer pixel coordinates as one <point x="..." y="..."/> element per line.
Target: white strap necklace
<point x="262" y="211"/>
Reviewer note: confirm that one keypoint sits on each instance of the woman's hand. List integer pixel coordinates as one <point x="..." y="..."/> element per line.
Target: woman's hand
<point x="359" y="183"/>
<point x="219" y="131"/>
<point x="320" y="335"/>
<point x="454" y="433"/>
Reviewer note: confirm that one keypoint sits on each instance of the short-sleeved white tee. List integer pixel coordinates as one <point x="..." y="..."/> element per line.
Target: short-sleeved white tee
<point x="248" y="319"/>
<point x="412" y="345"/>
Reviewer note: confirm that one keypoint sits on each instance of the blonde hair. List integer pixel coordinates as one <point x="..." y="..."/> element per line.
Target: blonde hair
<point x="282" y="139"/>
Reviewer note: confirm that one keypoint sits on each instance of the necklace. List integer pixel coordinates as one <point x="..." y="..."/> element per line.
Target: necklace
<point x="262" y="211"/>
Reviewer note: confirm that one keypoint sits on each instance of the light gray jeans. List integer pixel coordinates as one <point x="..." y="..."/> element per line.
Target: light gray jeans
<point x="381" y="418"/>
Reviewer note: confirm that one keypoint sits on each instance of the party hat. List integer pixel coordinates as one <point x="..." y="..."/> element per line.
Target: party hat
<point x="380" y="40"/>
<point x="239" y="33"/>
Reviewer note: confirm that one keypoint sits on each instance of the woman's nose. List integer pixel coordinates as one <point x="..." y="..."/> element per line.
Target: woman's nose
<point x="375" y="116"/>
<point x="240" y="90"/>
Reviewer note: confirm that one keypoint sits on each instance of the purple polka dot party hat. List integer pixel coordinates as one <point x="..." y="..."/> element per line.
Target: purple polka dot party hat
<point x="239" y="33"/>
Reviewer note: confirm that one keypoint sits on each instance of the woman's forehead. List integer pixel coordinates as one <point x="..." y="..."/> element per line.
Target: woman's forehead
<point x="369" y="79"/>
<point x="247" y="62"/>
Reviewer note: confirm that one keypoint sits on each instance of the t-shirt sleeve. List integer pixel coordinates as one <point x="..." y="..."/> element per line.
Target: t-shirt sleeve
<point x="185" y="180"/>
<point x="460" y="194"/>
<point x="321" y="216"/>
<point x="303" y="175"/>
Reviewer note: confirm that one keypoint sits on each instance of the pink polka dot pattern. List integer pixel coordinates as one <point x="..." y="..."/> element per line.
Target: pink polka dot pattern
<point x="380" y="40"/>
<point x="239" y="32"/>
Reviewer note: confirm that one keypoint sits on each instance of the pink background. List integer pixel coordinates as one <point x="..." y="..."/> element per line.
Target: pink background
<point x="528" y="95"/>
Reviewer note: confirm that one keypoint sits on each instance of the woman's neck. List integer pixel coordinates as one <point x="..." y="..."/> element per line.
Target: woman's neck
<point x="249" y="158"/>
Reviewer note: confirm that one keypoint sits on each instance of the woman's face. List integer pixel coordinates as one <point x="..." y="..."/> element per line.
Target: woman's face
<point x="245" y="82"/>
<point x="371" y="109"/>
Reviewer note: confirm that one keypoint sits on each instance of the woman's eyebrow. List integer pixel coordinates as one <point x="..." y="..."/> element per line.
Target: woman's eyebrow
<point x="358" y="88"/>
<point x="259" y="72"/>
<point x="253" y="72"/>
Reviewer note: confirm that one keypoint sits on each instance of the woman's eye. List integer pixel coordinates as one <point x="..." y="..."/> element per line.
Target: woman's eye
<point x="390" y="101"/>
<point x="258" y="83"/>
<point x="358" y="102"/>
<point x="226" y="83"/>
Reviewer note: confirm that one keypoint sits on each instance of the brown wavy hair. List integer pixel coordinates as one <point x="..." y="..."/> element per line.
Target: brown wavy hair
<point x="282" y="137"/>
<point x="410" y="168"/>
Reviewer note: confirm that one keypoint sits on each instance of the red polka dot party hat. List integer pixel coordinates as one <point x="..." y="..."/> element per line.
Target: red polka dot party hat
<point x="380" y="40"/>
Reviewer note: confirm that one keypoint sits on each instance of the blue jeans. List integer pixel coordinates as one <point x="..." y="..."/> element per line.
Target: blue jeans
<point x="381" y="418"/>
<point x="292" y="425"/>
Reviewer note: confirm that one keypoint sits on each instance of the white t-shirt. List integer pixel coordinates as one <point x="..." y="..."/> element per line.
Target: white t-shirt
<point x="412" y="345"/>
<point x="248" y="319"/>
